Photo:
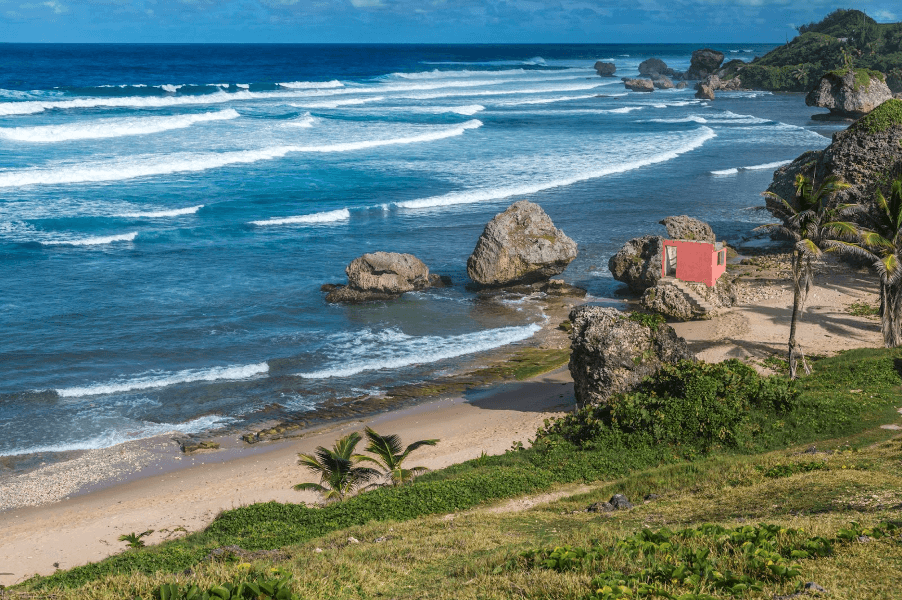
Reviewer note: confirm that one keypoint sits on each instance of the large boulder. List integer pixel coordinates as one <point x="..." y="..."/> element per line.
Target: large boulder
<point x="850" y="94"/>
<point x="612" y="353"/>
<point x="639" y="85"/>
<point x="662" y="82"/>
<point x="860" y="156"/>
<point x="520" y="246"/>
<point x="605" y="69"/>
<point x="704" y="62"/>
<point x="655" y="66"/>
<point x="704" y="91"/>
<point x="639" y="263"/>
<point x="381" y="276"/>
<point x="666" y="299"/>
<point x="684" y="227"/>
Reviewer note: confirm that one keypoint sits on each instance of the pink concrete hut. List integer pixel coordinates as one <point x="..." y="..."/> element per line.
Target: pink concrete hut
<point x="687" y="260"/>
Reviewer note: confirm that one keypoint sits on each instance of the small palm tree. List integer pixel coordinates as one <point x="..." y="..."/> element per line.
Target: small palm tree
<point x="339" y="475"/>
<point x="815" y="229"/>
<point x="133" y="540"/>
<point x="387" y="448"/>
<point x="886" y="241"/>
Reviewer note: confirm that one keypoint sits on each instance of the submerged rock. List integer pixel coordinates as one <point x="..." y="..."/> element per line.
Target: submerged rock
<point x="520" y="246"/>
<point x="612" y="353"/>
<point x="605" y="69"/>
<point x="381" y="276"/>
<point x="639" y="263"/>
<point x="850" y="94"/>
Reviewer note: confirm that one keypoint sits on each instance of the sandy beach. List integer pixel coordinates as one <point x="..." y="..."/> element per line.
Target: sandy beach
<point x="162" y="489"/>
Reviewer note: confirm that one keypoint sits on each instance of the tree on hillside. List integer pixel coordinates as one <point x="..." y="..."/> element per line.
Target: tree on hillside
<point x="339" y="474"/>
<point x="815" y="228"/>
<point x="390" y="457"/>
<point x="885" y="238"/>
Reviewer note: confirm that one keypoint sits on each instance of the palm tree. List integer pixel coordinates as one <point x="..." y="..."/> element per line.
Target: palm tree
<point x="815" y="229"/>
<point x="388" y="450"/>
<point x="339" y="477"/>
<point x="886" y="240"/>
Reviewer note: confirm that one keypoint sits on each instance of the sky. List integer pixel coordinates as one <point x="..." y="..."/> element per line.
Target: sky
<point x="418" y="21"/>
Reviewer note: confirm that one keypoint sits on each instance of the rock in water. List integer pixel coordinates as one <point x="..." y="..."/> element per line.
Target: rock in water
<point x="704" y="62"/>
<point x="850" y="94"/>
<point x="381" y="276"/>
<point x="613" y="354"/>
<point x="703" y="91"/>
<point x="520" y="245"/>
<point x="605" y="69"/>
<point x="639" y="263"/>
<point x="685" y="227"/>
<point x="655" y="66"/>
<point x="639" y="85"/>
<point x="662" y="82"/>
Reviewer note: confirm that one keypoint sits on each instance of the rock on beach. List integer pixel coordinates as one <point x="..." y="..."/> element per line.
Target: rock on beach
<point x="520" y="246"/>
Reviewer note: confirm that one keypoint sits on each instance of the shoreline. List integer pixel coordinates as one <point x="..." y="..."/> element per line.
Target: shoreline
<point x="175" y="493"/>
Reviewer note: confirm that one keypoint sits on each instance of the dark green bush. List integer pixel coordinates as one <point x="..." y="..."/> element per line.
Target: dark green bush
<point x="689" y="407"/>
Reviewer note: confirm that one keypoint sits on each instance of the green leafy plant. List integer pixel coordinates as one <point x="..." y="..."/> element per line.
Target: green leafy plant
<point x="650" y="320"/>
<point x="133" y="540"/>
<point x="337" y="468"/>
<point x="389" y="456"/>
<point x="885" y="239"/>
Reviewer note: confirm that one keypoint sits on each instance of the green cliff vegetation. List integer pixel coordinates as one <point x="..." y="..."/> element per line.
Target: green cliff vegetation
<point x="881" y="118"/>
<point x="842" y="39"/>
<point x="806" y="508"/>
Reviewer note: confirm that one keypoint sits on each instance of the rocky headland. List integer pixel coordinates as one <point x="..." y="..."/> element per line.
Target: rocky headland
<point x="862" y="155"/>
<point x="849" y="94"/>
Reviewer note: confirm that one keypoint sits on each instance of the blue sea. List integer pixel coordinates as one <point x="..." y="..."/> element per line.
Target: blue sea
<point x="168" y="213"/>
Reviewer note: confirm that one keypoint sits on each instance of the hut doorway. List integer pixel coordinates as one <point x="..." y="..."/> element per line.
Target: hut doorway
<point x="670" y="264"/>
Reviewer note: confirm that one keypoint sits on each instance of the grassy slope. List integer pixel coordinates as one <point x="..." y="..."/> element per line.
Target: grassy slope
<point x="799" y="65"/>
<point x="465" y="557"/>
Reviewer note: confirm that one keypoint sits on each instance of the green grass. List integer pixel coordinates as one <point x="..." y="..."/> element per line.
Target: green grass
<point x="839" y="407"/>
<point x="863" y="309"/>
<point x="888" y="114"/>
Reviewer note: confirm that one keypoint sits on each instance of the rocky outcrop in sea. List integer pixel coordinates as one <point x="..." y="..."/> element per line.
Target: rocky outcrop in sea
<point x="605" y="69"/>
<point x="704" y="62"/>
<point x="383" y="276"/>
<point x="639" y="85"/>
<point x="520" y="246"/>
<point x="612" y="353"/>
<point x="656" y="66"/>
<point x="850" y="94"/>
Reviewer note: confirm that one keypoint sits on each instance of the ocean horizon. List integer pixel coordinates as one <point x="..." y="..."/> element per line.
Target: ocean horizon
<point x="169" y="212"/>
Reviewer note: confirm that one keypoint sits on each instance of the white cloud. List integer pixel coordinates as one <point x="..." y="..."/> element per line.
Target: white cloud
<point x="367" y="3"/>
<point x="884" y="16"/>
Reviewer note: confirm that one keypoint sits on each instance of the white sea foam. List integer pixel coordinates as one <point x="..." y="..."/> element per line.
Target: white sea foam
<point x="163" y="213"/>
<point x="392" y="349"/>
<point x="170" y="88"/>
<point x="689" y="119"/>
<point x="146" y="166"/>
<point x="93" y="241"/>
<point x="138" y="431"/>
<point x="304" y="121"/>
<point x="623" y="109"/>
<point x="111" y="128"/>
<point x="546" y="100"/>
<point x="766" y="166"/>
<point x="573" y="87"/>
<point x="158" y="379"/>
<point x="312" y="85"/>
<point x="330" y="216"/>
<point x="339" y="103"/>
<point x="482" y="195"/>
<point x="243" y="86"/>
